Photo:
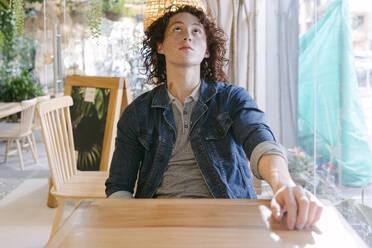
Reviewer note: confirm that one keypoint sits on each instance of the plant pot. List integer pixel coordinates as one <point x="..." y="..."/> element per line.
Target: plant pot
<point x="113" y="16"/>
<point x="79" y="17"/>
<point x="30" y="24"/>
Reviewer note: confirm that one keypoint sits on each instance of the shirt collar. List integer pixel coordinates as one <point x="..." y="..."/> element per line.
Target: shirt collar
<point x="194" y="94"/>
<point x="160" y="99"/>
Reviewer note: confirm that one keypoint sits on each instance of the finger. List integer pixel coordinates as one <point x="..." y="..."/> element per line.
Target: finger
<point x="277" y="210"/>
<point x="302" y="207"/>
<point x="318" y="214"/>
<point x="290" y="204"/>
<point x="313" y="206"/>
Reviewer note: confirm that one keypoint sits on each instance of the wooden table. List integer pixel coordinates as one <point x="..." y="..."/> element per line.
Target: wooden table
<point x="9" y="108"/>
<point x="194" y="223"/>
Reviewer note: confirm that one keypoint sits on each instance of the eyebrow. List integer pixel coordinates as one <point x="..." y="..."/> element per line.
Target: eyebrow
<point x="179" y="22"/>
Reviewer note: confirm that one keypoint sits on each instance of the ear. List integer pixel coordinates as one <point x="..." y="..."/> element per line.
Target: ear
<point x="160" y="49"/>
<point x="206" y="55"/>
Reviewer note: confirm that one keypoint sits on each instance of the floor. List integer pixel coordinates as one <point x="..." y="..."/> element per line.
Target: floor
<point x="25" y="219"/>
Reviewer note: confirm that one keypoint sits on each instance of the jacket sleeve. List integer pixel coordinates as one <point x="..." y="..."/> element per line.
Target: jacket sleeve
<point x="249" y="124"/>
<point x="127" y="156"/>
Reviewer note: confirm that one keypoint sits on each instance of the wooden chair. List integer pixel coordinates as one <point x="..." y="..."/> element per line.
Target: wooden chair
<point x="36" y="123"/>
<point x="120" y="89"/>
<point x="21" y="134"/>
<point x="69" y="184"/>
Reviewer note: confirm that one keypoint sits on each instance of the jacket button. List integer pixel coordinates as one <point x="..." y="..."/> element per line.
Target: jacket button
<point x="220" y="131"/>
<point x="161" y="158"/>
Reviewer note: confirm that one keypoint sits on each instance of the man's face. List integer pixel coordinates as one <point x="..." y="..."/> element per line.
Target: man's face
<point x="184" y="41"/>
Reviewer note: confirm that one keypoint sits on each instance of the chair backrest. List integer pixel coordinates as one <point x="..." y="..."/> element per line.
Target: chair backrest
<point x="43" y="98"/>
<point x="56" y="128"/>
<point x="27" y="116"/>
<point x="36" y="123"/>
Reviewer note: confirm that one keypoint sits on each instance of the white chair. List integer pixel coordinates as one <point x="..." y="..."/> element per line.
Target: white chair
<point x="69" y="184"/>
<point x="21" y="134"/>
<point x="36" y="122"/>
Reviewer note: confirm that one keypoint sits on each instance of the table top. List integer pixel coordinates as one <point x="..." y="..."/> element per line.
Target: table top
<point x="194" y="223"/>
<point x="9" y="108"/>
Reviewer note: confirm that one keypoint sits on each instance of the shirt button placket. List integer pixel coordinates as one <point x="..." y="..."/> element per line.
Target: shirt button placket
<point x="185" y="116"/>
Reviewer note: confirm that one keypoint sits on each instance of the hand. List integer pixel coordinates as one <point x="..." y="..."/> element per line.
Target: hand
<point x="303" y="208"/>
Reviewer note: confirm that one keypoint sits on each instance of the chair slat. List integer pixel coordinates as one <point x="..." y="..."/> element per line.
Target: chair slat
<point x="71" y="138"/>
<point x="57" y="138"/>
<point x="27" y="116"/>
<point x="62" y="143"/>
<point x="54" y="162"/>
<point x="67" y="141"/>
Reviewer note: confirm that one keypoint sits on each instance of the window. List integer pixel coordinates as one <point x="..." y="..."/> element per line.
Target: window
<point x="334" y="102"/>
<point x="66" y="36"/>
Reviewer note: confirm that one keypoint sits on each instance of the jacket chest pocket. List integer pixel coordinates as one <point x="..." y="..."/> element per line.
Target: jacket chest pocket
<point x="218" y="128"/>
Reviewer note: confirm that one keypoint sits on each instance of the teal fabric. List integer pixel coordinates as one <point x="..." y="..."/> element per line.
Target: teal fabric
<point x="326" y="61"/>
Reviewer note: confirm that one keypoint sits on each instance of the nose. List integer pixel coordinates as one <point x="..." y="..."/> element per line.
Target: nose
<point x="187" y="35"/>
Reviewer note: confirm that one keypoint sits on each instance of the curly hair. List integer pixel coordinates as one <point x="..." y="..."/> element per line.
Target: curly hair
<point x="211" y="69"/>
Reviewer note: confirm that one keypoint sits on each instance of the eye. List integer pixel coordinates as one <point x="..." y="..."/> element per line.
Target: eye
<point x="177" y="29"/>
<point x="197" y="30"/>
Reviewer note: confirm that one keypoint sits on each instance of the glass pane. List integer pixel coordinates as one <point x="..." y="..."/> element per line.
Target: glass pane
<point x="116" y="52"/>
<point x="334" y="106"/>
<point x="65" y="36"/>
<point x="18" y="57"/>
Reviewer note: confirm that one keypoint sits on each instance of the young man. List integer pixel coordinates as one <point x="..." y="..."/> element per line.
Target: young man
<point x="190" y="136"/>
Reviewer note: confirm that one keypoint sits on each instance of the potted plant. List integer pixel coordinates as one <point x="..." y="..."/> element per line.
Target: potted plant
<point x="321" y="177"/>
<point x="115" y="10"/>
<point x="19" y="88"/>
<point x="17" y="6"/>
<point x="95" y="15"/>
<point x="19" y="11"/>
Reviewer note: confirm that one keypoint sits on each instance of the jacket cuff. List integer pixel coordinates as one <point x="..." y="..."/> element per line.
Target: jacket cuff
<point x="265" y="148"/>
<point x="121" y="195"/>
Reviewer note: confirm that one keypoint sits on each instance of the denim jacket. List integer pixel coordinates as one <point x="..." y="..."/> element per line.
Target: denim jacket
<point x="226" y="125"/>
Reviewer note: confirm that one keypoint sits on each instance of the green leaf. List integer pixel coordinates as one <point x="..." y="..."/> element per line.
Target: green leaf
<point x="95" y="17"/>
<point x="98" y="103"/>
<point x="19" y="16"/>
<point x="22" y="87"/>
<point x="5" y="3"/>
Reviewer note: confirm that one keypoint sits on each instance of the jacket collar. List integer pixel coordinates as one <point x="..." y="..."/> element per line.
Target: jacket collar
<point x="208" y="90"/>
<point x="161" y="98"/>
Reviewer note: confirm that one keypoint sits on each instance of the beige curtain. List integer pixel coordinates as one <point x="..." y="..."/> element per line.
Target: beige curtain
<point x="237" y="20"/>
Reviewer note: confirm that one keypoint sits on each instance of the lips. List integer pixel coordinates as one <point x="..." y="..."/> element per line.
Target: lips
<point x="186" y="48"/>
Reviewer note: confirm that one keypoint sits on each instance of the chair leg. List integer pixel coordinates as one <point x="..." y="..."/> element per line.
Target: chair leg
<point x="33" y="149"/>
<point x="20" y="153"/>
<point x="34" y="141"/>
<point x="52" y="201"/>
<point x="77" y="203"/>
<point x="23" y="142"/>
<point x="57" y="218"/>
<point x="8" y="143"/>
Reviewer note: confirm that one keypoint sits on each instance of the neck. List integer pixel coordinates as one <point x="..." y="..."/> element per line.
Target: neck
<point x="181" y="82"/>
